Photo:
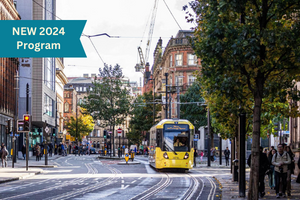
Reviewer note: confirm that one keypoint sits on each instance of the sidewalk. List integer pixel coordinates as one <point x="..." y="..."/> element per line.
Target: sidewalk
<point x="19" y="171"/>
<point x="230" y="189"/>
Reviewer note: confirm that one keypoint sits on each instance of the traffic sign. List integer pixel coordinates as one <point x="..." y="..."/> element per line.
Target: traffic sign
<point x="110" y="132"/>
<point x="119" y="131"/>
<point x="126" y="157"/>
<point x="20" y="127"/>
<point x="196" y="136"/>
<point x="195" y="139"/>
<point x="47" y="129"/>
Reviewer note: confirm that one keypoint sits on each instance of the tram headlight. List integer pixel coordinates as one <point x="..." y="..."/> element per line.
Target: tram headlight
<point x="186" y="156"/>
<point x="166" y="155"/>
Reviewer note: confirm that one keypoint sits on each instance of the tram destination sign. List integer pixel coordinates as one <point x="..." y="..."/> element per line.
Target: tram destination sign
<point x="176" y="127"/>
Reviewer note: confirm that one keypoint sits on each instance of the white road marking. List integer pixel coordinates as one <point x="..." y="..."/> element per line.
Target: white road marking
<point x="122" y="181"/>
<point x="133" y="181"/>
<point x="123" y="188"/>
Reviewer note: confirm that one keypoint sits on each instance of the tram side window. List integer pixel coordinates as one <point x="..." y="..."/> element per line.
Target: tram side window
<point x="176" y="141"/>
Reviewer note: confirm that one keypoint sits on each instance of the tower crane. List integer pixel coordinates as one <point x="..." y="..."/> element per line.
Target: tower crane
<point x="143" y="60"/>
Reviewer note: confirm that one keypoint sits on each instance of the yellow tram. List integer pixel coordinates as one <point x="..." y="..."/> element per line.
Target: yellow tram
<point x="171" y="144"/>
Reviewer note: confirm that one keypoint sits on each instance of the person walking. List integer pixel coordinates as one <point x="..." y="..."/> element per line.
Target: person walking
<point x="24" y="151"/>
<point x="263" y="167"/>
<point x="195" y="157"/>
<point x="50" y="149"/>
<point x="214" y="154"/>
<point x="62" y="146"/>
<point x="227" y="154"/>
<point x="281" y="160"/>
<point x="4" y="155"/>
<point x="290" y="171"/>
<point x="37" y="152"/>
<point x="211" y="154"/>
<point x="271" y="173"/>
<point x="201" y="155"/>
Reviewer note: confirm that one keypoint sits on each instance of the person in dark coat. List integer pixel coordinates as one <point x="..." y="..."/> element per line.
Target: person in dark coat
<point x="227" y="154"/>
<point x="24" y="151"/>
<point x="263" y="167"/>
<point x="195" y="156"/>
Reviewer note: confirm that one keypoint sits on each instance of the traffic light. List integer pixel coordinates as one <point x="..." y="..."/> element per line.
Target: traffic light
<point x="104" y="134"/>
<point x="276" y="128"/>
<point x="27" y="122"/>
<point x="54" y="132"/>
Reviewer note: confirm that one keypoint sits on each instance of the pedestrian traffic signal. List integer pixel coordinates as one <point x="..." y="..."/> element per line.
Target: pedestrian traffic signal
<point x="27" y="122"/>
<point x="104" y="134"/>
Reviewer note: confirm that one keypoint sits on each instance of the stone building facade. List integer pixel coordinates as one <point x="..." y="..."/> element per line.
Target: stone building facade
<point x="40" y="74"/>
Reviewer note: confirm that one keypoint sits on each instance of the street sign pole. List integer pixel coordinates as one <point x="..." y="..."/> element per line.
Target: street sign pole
<point x="46" y="130"/>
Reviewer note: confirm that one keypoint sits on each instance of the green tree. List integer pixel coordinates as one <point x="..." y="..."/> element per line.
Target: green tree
<point x="142" y="116"/>
<point x="195" y="113"/>
<point x="84" y="125"/>
<point x="249" y="45"/>
<point x="109" y="100"/>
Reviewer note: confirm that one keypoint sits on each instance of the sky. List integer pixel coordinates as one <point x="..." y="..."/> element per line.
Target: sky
<point x="124" y="18"/>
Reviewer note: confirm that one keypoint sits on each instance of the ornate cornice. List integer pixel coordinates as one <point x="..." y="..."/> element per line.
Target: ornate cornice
<point x="10" y="8"/>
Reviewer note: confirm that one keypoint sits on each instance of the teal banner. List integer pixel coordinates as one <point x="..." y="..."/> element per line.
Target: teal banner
<point x="41" y="38"/>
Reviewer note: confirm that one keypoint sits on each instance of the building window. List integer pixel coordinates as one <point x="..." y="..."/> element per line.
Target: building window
<point x="192" y="79"/>
<point x="80" y="89"/>
<point x="68" y="95"/>
<point x="84" y="89"/>
<point x="48" y="106"/>
<point x="65" y="95"/>
<point x="80" y="101"/>
<point x="91" y="89"/>
<point x="179" y="81"/>
<point x="77" y="89"/>
<point x="49" y="73"/>
<point x="171" y="60"/>
<point x="192" y="59"/>
<point x="178" y="60"/>
<point x="67" y="107"/>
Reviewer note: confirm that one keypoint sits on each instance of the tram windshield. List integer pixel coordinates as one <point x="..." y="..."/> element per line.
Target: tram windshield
<point x="176" y="141"/>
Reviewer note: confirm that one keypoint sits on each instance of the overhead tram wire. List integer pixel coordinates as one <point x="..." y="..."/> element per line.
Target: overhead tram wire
<point x="81" y="34"/>
<point x="46" y="9"/>
<point x="172" y="15"/>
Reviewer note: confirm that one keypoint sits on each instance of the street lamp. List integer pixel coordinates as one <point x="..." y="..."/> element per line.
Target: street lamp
<point x="153" y="79"/>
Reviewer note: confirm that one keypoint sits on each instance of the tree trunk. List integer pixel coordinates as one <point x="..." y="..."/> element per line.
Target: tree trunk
<point x="254" y="173"/>
<point x="212" y="145"/>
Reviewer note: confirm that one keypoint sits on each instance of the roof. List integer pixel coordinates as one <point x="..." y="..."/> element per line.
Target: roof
<point x="161" y="124"/>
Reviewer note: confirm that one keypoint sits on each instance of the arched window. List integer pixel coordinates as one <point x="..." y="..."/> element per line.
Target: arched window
<point x="67" y="107"/>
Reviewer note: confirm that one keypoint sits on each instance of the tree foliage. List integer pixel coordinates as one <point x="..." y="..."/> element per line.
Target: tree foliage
<point x="84" y="125"/>
<point x="249" y="47"/>
<point x="142" y="116"/>
<point x="109" y="100"/>
<point x="195" y="113"/>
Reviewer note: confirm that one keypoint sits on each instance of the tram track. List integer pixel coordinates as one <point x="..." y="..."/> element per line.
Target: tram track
<point x="91" y="170"/>
<point x="90" y="188"/>
<point x="162" y="184"/>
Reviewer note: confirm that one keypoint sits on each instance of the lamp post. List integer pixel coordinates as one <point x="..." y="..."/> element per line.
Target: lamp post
<point x="166" y="75"/>
<point x="153" y="79"/>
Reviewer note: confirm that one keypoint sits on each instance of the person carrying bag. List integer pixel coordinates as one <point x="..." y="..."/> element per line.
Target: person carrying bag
<point x="298" y="178"/>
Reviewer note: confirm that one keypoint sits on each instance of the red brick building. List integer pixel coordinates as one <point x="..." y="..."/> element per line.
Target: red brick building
<point x="177" y="59"/>
<point x="8" y="69"/>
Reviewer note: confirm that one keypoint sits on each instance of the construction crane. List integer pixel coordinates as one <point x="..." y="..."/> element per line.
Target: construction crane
<point x="143" y="60"/>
